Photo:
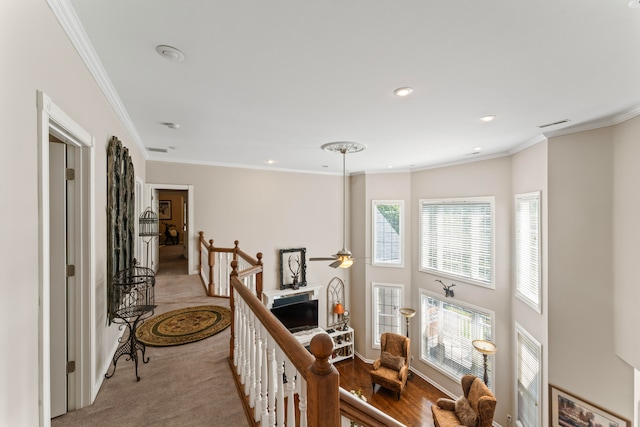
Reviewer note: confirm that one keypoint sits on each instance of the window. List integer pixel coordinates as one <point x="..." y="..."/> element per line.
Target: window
<point x="528" y="404"/>
<point x="528" y="249"/>
<point x="387" y="300"/>
<point x="387" y="220"/>
<point x="456" y="239"/>
<point x="447" y="332"/>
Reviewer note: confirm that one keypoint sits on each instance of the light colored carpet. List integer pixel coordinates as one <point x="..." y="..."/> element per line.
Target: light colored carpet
<point x="187" y="385"/>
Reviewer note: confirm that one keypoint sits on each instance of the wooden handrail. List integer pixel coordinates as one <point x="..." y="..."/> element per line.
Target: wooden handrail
<point x="212" y="250"/>
<point x="364" y="414"/>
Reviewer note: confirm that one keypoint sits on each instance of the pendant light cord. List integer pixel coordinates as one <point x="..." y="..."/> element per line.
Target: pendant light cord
<point x="344" y="199"/>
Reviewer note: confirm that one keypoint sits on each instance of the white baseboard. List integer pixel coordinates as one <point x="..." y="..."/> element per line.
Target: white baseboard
<point x="105" y="367"/>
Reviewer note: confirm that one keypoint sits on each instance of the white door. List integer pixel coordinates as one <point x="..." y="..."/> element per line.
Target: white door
<point x="60" y="217"/>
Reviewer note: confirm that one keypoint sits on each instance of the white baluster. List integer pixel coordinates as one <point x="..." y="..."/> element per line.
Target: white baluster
<point x="252" y="359"/>
<point x="247" y="347"/>
<point x="236" y="324"/>
<point x="302" y="394"/>
<point x="258" y="374"/>
<point x="280" y="393"/>
<point x="273" y="380"/>
<point x="290" y="373"/>
<point x="265" y="375"/>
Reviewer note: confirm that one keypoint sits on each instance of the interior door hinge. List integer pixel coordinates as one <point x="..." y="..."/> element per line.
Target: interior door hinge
<point x="70" y="174"/>
<point x="71" y="270"/>
<point x="71" y="367"/>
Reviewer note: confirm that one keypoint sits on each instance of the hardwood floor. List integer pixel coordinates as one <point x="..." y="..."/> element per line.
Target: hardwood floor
<point x="414" y="407"/>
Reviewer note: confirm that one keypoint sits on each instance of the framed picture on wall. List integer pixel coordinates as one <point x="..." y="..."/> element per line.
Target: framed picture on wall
<point x="569" y="410"/>
<point x="164" y="209"/>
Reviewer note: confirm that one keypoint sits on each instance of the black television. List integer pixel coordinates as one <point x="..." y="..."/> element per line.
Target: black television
<point x="298" y="316"/>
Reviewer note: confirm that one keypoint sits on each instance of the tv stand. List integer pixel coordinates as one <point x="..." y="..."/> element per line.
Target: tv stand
<point x="342" y="342"/>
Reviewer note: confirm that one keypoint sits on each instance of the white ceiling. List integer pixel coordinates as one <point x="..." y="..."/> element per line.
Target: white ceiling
<point x="277" y="79"/>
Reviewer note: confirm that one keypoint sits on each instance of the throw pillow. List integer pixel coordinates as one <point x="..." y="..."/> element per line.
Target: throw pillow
<point x="390" y="361"/>
<point x="465" y="413"/>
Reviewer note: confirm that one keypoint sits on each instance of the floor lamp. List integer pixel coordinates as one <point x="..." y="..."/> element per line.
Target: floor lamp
<point x="486" y="348"/>
<point x="408" y="313"/>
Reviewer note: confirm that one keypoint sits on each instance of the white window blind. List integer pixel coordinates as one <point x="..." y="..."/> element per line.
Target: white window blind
<point x="387" y="300"/>
<point x="529" y="356"/>
<point x="387" y="218"/>
<point x="447" y="333"/>
<point x="457" y="238"/>
<point x="527" y="237"/>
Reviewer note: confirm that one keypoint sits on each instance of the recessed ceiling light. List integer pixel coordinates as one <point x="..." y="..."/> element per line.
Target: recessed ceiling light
<point x="403" y="91"/>
<point x="488" y="118"/>
<point x="390" y="167"/>
<point x="476" y="150"/>
<point x="634" y="4"/>
<point x="270" y="161"/>
<point x="170" y="53"/>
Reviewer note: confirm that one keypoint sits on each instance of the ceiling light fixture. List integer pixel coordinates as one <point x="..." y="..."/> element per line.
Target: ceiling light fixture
<point x="403" y="91"/>
<point x="488" y="118"/>
<point x="270" y="162"/>
<point x="634" y="4"/>
<point x="170" y="53"/>
<point x="343" y="257"/>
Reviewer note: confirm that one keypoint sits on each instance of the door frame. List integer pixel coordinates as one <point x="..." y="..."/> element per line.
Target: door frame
<point x="191" y="237"/>
<point x="52" y="120"/>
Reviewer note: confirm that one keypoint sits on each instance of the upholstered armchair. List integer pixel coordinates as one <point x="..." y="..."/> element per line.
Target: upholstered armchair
<point x="475" y="408"/>
<point x="391" y="369"/>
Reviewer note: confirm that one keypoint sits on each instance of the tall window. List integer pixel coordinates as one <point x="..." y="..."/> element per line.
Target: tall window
<point x="456" y="239"/>
<point x="387" y="301"/>
<point x="528" y="249"/>
<point x="529" y="355"/>
<point x="387" y="219"/>
<point x="447" y="332"/>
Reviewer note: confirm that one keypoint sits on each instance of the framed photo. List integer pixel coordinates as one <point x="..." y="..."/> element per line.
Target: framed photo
<point x="293" y="268"/>
<point x="568" y="410"/>
<point x="164" y="209"/>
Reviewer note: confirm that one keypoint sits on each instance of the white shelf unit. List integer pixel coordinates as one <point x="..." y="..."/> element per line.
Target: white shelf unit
<point x="342" y="345"/>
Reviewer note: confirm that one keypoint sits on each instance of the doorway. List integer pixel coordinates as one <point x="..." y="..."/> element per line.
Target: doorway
<point x="65" y="283"/>
<point x="173" y="226"/>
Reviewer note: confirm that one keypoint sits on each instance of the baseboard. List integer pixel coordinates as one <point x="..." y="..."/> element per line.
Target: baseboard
<point x="105" y="367"/>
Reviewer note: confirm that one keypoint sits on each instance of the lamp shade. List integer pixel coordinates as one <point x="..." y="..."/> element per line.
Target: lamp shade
<point x="338" y="308"/>
<point x="484" y="347"/>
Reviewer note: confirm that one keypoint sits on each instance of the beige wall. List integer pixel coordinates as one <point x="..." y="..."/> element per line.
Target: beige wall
<point x="266" y="211"/>
<point x="484" y="178"/>
<point x="582" y="358"/>
<point x="42" y="59"/>
<point x="626" y="215"/>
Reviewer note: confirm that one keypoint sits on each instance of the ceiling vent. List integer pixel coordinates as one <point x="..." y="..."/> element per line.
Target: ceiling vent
<point x="157" y="150"/>
<point x="554" y="123"/>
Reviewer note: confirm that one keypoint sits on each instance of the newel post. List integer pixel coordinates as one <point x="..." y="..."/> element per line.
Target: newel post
<point x="259" y="277"/>
<point x="236" y="249"/>
<point x="323" y="385"/>
<point x="212" y="261"/>
<point x="232" y="307"/>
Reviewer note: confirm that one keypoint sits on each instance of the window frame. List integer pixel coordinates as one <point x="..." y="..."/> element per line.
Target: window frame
<point x="521" y="331"/>
<point x="534" y="303"/>
<point x="490" y="200"/>
<point x="375" y="231"/>
<point x="375" y="338"/>
<point x="476" y="357"/>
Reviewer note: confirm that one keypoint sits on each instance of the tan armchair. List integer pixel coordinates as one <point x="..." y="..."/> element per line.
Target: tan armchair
<point x="391" y="369"/>
<point x="482" y="405"/>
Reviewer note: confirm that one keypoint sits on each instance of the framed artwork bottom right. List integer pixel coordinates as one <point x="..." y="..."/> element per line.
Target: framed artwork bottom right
<point x="568" y="410"/>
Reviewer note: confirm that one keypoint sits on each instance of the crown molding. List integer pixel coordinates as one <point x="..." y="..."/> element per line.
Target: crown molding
<point x="66" y="15"/>
<point x="612" y="120"/>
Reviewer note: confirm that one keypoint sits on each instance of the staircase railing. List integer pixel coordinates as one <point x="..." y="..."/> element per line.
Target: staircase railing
<point x="282" y="383"/>
<point x="214" y="265"/>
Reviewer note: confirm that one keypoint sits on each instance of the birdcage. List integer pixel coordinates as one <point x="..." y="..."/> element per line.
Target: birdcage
<point x="133" y="291"/>
<point x="148" y="224"/>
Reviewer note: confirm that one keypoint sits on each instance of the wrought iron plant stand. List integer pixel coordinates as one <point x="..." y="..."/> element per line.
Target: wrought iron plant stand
<point x="133" y="302"/>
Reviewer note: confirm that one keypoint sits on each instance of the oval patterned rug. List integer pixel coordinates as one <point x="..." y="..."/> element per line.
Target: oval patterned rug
<point x="183" y="326"/>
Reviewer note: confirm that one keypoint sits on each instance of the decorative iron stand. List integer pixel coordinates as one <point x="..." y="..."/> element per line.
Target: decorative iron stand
<point x="133" y="302"/>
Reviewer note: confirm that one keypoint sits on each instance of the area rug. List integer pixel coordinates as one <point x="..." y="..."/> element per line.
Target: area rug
<point x="183" y="326"/>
